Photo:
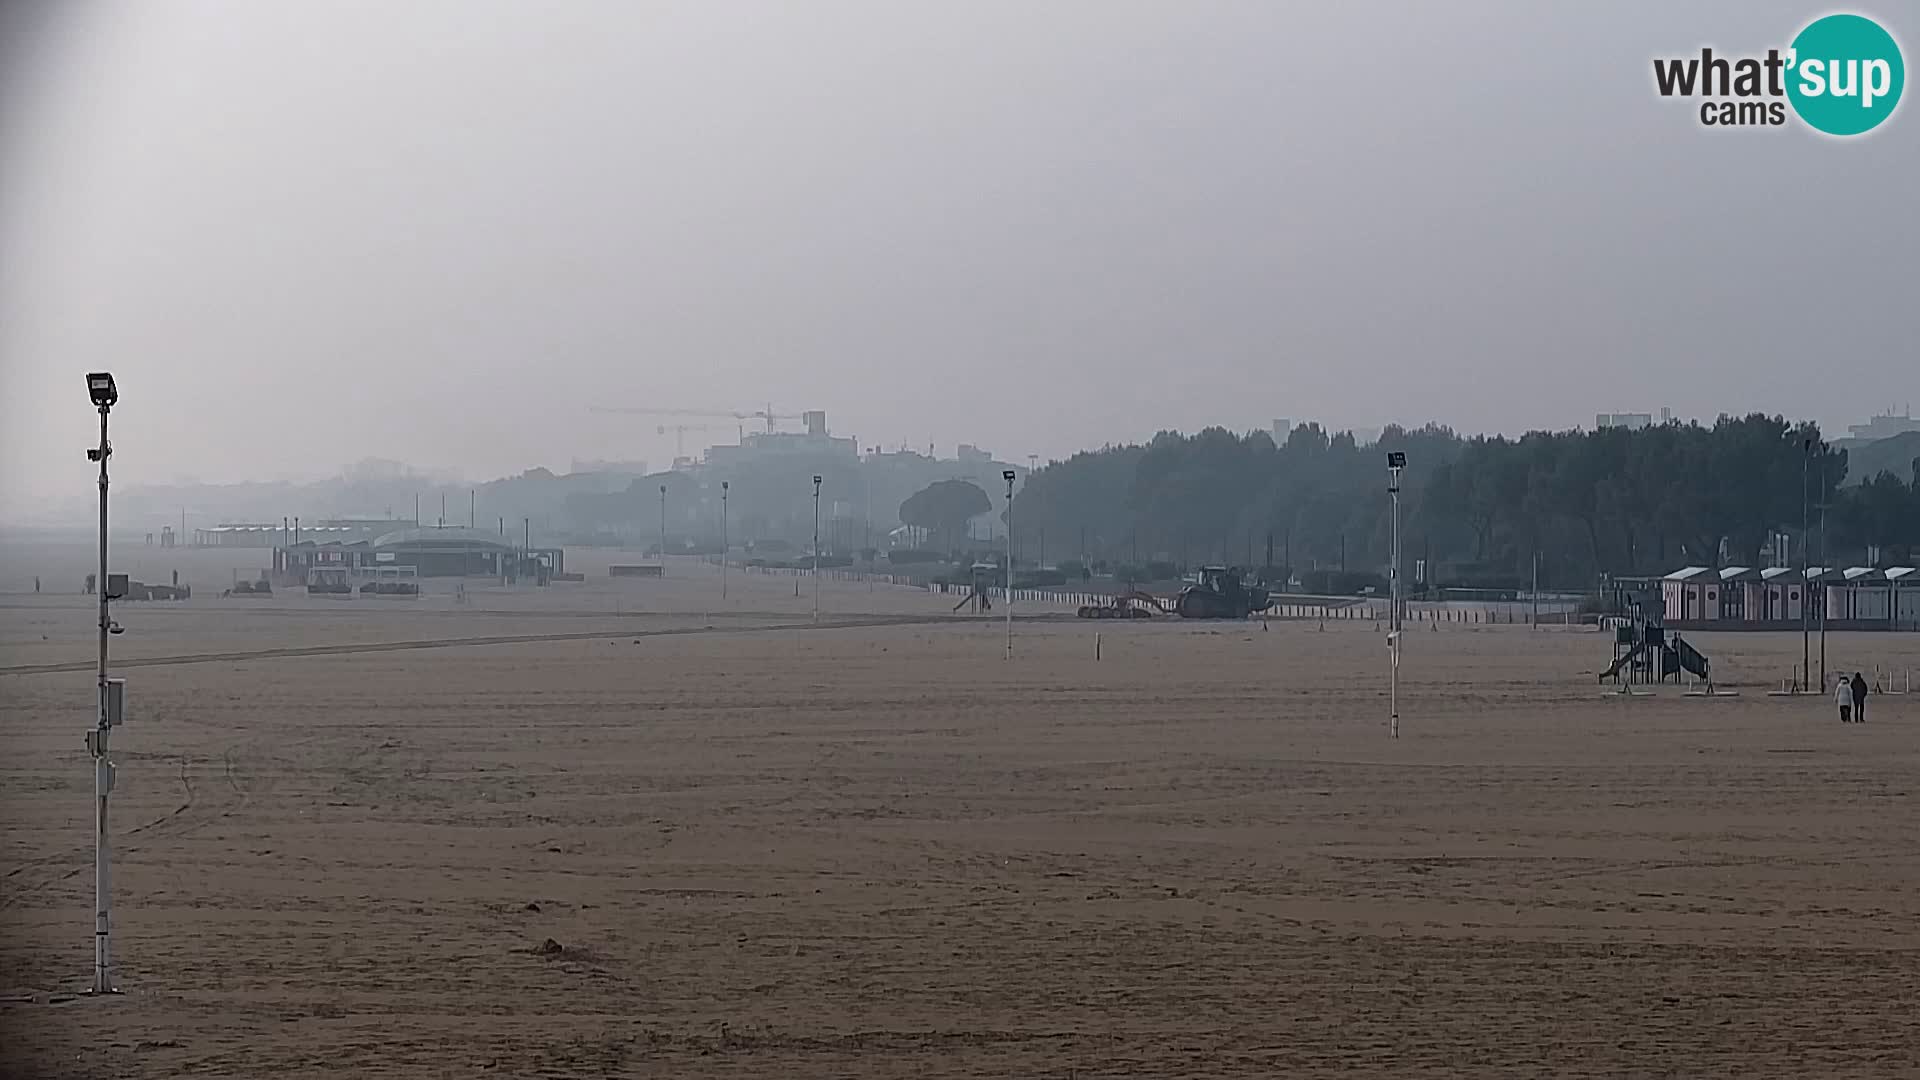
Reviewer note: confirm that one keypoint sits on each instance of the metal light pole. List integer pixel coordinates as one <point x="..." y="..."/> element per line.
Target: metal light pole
<point x="723" y="539"/>
<point x="108" y="712"/>
<point x="1806" y="597"/>
<point x="663" y="530"/>
<point x="1395" y="462"/>
<point x="867" y="469"/>
<point x="1007" y="475"/>
<point x="1823" y="563"/>
<point x="816" y="548"/>
<point x="1536" y="589"/>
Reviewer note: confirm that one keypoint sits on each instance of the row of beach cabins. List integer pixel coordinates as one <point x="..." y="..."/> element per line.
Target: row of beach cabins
<point x="1739" y="597"/>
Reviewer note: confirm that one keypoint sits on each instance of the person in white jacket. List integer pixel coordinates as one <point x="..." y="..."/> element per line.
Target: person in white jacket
<point x="1843" y="697"/>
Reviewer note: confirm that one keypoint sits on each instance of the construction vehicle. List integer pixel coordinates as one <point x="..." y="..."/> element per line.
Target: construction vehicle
<point x="1132" y="604"/>
<point x="1221" y="593"/>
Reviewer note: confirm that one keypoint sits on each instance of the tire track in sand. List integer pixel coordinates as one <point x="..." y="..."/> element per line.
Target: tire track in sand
<point x="492" y="639"/>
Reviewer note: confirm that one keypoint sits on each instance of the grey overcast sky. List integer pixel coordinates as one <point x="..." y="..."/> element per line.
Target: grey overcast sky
<point x="438" y="230"/>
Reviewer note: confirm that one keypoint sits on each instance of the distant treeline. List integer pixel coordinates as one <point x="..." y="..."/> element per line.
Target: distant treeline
<point x="1477" y="509"/>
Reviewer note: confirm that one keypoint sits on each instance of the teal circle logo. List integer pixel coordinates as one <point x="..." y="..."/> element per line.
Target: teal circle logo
<point x="1845" y="74"/>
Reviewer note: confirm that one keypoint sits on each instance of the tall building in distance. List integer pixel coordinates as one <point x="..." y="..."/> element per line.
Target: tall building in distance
<point x="1282" y="427"/>
<point x="1884" y="426"/>
<point x="1632" y="421"/>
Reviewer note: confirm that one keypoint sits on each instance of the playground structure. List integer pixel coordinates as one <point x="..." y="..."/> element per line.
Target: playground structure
<point x="1221" y="593"/>
<point x="1645" y="653"/>
<point x="982" y="574"/>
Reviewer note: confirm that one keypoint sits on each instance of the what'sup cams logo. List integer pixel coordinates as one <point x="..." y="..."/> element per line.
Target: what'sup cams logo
<point x="1842" y="75"/>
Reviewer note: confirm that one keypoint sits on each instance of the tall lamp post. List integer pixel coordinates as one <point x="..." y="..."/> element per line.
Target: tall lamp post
<point x="816" y="548"/>
<point x="1806" y="591"/>
<point x="663" y="530"/>
<point x="1395" y="462"/>
<point x="1823" y="563"/>
<point x="723" y="539"/>
<point x="109" y="710"/>
<point x="1007" y="475"/>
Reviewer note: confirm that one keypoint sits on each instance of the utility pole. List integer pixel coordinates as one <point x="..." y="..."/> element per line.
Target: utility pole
<point x="816" y="547"/>
<point x="663" y="530"/>
<point x="109" y="713"/>
<point x="1536" y="589"/>
<point x="723" y="539"/>
<point x="473" y="504"/>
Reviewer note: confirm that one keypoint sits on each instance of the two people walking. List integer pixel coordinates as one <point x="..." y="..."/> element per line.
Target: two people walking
<point x="1851" y="696"/>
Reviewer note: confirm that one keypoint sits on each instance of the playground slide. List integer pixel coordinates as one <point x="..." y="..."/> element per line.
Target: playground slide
<point x="1691" y="658"/>
<point x="1625" y="659"/>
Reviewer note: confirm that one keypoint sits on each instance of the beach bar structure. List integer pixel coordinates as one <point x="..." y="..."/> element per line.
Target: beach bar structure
<point x="1866" y="594"/>
<point x="1741" y="598"/>
<point x="451" y="551"/>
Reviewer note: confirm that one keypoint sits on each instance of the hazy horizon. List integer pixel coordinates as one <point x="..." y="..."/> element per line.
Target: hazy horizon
<point x="438" y="233"/>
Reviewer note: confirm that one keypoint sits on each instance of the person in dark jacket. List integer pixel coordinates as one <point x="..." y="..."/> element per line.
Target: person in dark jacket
<point x="1859" y="699"/>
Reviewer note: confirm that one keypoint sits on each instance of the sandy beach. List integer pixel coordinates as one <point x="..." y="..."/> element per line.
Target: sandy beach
<point x="633" y="829"/>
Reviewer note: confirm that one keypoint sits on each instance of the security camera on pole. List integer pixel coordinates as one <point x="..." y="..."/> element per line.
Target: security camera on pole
<point x="111" y="708"/>
<point x="1007" y="475"/>
<point x="1395" y="462"/>
<point x="816" y="548"/>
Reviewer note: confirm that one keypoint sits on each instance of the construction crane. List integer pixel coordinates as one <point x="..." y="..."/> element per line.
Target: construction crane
<point x="766" y="414"/>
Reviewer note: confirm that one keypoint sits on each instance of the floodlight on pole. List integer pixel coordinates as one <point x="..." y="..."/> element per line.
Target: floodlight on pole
<point x="1396" y="461"/>
<point x="1007" y="475"/>
<point x="110" y="709"/>
<point x="816" y="548"/>
<point x="723" y="539"/>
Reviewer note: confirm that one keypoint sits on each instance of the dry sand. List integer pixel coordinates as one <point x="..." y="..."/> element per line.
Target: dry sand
<point x="768" y="849"/>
